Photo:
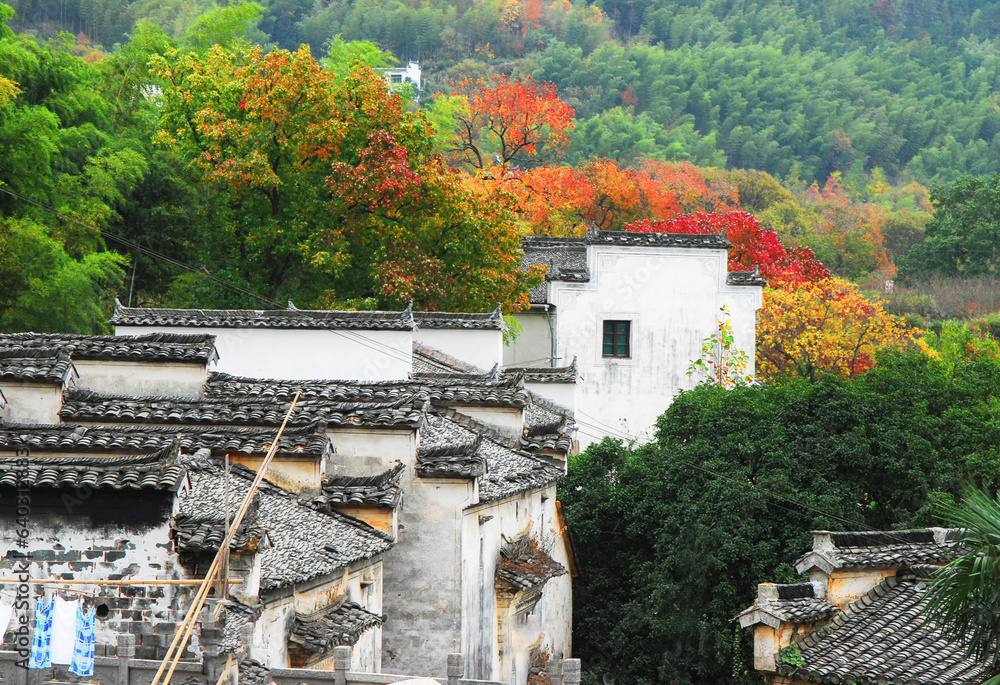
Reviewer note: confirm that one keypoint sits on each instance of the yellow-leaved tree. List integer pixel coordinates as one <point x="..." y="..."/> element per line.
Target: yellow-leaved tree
<point x="825" y="326"/>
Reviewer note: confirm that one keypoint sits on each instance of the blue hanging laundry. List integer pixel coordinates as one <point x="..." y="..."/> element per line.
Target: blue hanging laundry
<point x="41" y="644"/>
<point x="83" y="652"/>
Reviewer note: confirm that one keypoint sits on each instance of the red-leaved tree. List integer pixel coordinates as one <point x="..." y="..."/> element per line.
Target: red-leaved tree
<point x="753" y="245"/>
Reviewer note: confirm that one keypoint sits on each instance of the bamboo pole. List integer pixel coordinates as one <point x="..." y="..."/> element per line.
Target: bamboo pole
<point x="187" y="625"/>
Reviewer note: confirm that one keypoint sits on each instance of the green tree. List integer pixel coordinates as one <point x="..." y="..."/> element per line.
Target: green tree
<point x="964" y="235"/>
<point x="673" y="537"/>
<point x="44" y="289"/>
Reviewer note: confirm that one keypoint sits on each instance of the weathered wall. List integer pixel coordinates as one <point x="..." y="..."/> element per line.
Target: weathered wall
<point x="141" y="378"/>
<point x="382" y="518"/>
<point x="672" y="297"/>
<point x="362" y="583"/>
<point x="368" y="452"/>
<point x="533" y="346"/>
<point x="846" y="586"/>
<point x="506" y="420"/>
<point x="500" y="652"/>
<point x="563" y="394"/>
<point x="423" y="579"/>
<point x="304" y="354"/>
<point x="298" y="474"/>
<point x="31" y="402"/>
<point x="81" y="536"/>
<point x="482" y="348"/>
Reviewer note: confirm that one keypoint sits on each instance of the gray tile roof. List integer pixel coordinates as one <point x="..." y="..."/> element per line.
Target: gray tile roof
<point x="161" y="470"/>
<point x="254" y="673"/>
<point x="305" y="543"/>
<point x="880" y="549"/>
<point x="544" y="430"/>
<point x="264" y="318"/>
<point x="153" y="347"/>
<point x="508" y="470"/>
<point x="341" y="623"/>
<point x="752" y="278"/>
<point x="541" y="374"/>
<point x="429" y="360"/>
<point x="452" y="445"/>
<point x="84" y="405"/>
<point x="64" y="437"/>
<point x="449" y="450"/>
<point x="795" y="602"/>
<point x="36" y="366"/>
<point x="444" y="389"/>
<point x="447" y="320"/>
<point x="883" y="638"/>
<point x="206" y="532"/>
<point x="524" y="564"/>
<point x="382" y="490"/>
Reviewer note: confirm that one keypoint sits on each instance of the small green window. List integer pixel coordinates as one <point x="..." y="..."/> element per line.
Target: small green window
<point x="616" y="339"/>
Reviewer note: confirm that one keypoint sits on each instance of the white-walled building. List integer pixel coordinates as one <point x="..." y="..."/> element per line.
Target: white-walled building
<point x="456" y="472"/>
<point x="630" y="312"/>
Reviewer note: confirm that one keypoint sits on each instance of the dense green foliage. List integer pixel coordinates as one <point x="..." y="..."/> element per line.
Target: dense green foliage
<point x="673" y="537"/>
<point x="793" y="87"/>
<point x="57" y="148"/>
<point x="964" y="235"/>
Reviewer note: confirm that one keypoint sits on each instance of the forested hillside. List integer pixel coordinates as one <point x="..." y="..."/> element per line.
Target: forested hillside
<point x="792" y="87"/>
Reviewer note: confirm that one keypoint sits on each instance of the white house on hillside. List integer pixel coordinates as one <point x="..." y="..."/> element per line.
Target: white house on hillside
<point x="632" y="310"/>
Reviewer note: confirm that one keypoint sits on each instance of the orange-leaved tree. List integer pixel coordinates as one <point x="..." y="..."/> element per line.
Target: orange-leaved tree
<point x="821" y="327"/>
<point x="323" y="190"/>
<point x="564" y="201"/>
<point x="511" y="122"/>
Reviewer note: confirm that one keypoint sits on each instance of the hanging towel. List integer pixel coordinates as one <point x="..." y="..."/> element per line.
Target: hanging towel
<point x="64" y="629"/>
<point x="83" y="653"/>
<point x="5" y="613"/>
<point x="41" y="643"/>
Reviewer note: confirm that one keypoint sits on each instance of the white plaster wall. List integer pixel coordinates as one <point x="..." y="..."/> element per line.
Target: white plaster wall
<point x="423" y="582"/>
<point x="368" y="452"/>
<point x="533" y="346"/>
<point x="563" y="394"/>
<point x="506" y="420"/>
<point x="672" y="297"/>
<point x="482" y="348"/>
<point x="270" y="634"/>
<point x="31" y="402"/>
<point x="483" y="531"/>
<point x="297" y="354"/>
<point x="141" y="378"/>
<point x="362" y="584"/>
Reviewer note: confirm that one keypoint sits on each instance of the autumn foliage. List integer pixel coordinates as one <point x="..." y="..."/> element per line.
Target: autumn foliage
<point x="565" y="201"/>
<point x="753" y="246"/>
<point x="824" y="327"/>
<point x="326" y="190"/>
<point x="510" y="121"/>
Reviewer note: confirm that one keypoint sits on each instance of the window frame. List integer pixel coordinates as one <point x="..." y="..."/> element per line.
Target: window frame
<point x="615" y="334"/>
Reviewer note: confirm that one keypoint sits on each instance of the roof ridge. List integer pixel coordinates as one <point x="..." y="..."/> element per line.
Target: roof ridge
<point x="171" y="451"/>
